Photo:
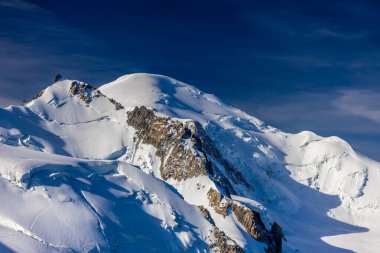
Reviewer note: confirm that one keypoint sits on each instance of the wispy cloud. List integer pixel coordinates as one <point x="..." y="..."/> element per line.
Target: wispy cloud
<point x="329" y="33"/>
<point x="351" y="114"/>
<point x="17" y="4"/>
<point x="306" y="61"/>
<point x="363" y="103"/>
<point x="35" y="45"/>
<point x="5" y="101"/>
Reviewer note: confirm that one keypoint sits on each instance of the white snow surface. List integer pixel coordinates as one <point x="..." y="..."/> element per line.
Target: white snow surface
<point x="73" y="180"/>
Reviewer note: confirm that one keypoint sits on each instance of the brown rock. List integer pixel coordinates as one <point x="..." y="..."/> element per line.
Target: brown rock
<point x="252" y="222"/>
<point x="215" y="198"/>
<point x="224" y="244"/>
<point x="170" y="138"/>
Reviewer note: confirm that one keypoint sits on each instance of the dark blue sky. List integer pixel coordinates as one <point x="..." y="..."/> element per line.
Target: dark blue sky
<point x="299" y="65"/>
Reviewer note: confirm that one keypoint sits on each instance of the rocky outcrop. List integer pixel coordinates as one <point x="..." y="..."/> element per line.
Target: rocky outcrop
<point x="218" y="202"/>
<point x="118" y="106"/>
<point x="186" y="151"/>
<point x="184" y="148"/>
<point x="84" y="91"/>
<point x="249" y="218"/>
<point x="253" y="224"/>
<point x="176" y="142"/>
<point x="87" y="93"/>
<point x="220" y="243"/>
<point x="39" y="94"/>
<point x="57" y="78"/>
<point x="224" y="244"/>
<point x="251" y="221"/>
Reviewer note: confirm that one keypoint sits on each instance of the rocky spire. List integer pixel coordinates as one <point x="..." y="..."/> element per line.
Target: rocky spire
<point x="57" y="78"/>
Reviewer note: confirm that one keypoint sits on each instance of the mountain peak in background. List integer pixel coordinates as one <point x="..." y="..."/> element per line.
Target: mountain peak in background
<point x="147" y="163"/>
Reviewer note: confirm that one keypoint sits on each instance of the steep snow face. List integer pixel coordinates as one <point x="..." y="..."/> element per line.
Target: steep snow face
<point x="70" y="150"/>
<point x="295" y="176"/>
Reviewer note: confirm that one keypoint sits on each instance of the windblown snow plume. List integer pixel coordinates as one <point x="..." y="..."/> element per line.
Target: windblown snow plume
<point x="150" y="164"/>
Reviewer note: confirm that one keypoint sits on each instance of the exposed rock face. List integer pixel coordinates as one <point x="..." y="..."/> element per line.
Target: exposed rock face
<point x="224" y="244"/>
<point x="252" y="222"/>
<point x="218" y="202"/>
<point x="177" y="144"/>
<point x="186" y="151"/>
<point x="83" y="90"/>
<point x="87" y="93"/>
<point x="118" y="106"/>
<point x="250" y="219"/>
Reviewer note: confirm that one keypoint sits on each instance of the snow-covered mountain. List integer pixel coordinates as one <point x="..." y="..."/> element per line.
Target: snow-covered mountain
<point x="150" y="164"/>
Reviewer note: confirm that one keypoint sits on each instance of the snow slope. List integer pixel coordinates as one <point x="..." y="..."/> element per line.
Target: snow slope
<point x="75" y="205"/>
<point x="67" y="161"/>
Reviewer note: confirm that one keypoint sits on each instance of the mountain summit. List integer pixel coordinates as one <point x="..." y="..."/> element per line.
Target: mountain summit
<point x="147" y="163"/>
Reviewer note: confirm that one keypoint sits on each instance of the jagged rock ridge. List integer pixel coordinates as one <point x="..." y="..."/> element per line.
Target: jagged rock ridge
<point x="186" y="151"/>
